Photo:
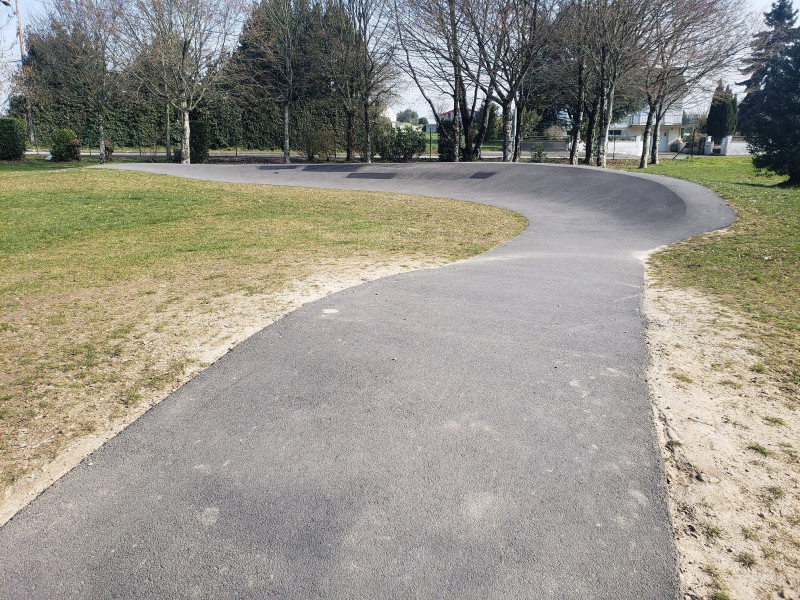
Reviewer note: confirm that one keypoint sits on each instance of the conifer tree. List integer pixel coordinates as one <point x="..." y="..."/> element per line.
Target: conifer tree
<point x="767" y="44"/>
<point x="722" y="114"/>
<point x="773" y="126"/>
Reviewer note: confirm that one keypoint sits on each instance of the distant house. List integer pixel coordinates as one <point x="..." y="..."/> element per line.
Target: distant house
<point x="626" y="135"/>
<point x="631" y="128"/>
<point x="389" y="114"/>
<point x="445" y="116"/>
<point x="448" y="116"/>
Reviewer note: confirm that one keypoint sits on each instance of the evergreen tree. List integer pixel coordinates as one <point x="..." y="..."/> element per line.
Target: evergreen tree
<point x="408" y="115"/>
<point x="768" y="44"/>
<point x="773" y="126"/>
<point x="722" y="115"/>
<point x="733" y="115"/>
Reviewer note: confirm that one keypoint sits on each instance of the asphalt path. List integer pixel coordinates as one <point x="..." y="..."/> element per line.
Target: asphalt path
<point x="481" y="430"/>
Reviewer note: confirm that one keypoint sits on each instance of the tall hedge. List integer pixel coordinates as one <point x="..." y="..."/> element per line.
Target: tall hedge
<point x="12" y="138"/>
<point x="199" y="140"/>
<point x="398" y="145"/>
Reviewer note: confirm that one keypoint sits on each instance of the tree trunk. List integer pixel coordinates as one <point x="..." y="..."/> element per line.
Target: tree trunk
<point x="656" y="140"/>
<point x="484" y="127"/>
<point x="456" y="130"/>
<point x="168" y="134"/>
<point x="578" y="120"/>
<point x="605" y="122"/>
<point x="451" y="5"/>
<point x="648" y="129"/>
<point x="29" y="118"/>
<point x="469" y="140"/>
<point x="508" y="125"/>
<point x="367" y="135"/>
<point x="351" y="135"/>
<point x="590" y="132"/>
<point x="101" y="138"/>
<point x="185" y="157"/>
<point x="518" y="135"/>
<point x="575" y="141"/>
<point x="286" y="158"/>
<point x="467" y="120"/>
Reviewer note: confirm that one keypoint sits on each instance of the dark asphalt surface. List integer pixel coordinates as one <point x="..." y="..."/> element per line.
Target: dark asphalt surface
<point x="481" y="430"/>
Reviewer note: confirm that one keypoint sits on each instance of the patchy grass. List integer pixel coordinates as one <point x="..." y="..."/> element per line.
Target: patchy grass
<point x="754" y="266"/>
<point x="746" y="559"/>
<point x="759" y="449"/>
<point x="712" y="532"/>
<point x="37" y="163"/>
<point x="748" y="341"/>
<point x="108" y="278"/>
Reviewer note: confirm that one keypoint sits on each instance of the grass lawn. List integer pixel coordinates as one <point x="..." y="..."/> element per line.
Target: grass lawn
<point x="495" y="145"/>
<point x="105" y="276"/>
<point x="754" y="267"/>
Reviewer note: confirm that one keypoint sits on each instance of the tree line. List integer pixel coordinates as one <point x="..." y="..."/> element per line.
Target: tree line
<point x="315" y="74"/>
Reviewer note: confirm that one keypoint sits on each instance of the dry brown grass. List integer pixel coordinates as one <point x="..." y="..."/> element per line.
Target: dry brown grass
<point x="117" y="287"/>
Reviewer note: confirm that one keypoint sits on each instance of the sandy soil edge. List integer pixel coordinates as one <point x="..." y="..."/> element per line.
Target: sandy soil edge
<point x="729" y="438"/>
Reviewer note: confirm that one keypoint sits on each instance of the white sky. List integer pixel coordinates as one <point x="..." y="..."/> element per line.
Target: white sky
<point x="408" y="96"/>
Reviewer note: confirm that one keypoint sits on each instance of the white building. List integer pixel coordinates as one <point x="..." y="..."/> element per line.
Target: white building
<point x="389" y="114"/>
<point x="631" y="128"/>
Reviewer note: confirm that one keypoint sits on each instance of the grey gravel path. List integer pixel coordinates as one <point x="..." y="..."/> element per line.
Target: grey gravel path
<point x="481" y="430"/>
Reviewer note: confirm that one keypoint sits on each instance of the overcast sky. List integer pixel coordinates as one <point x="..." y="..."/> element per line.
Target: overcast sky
<point x="408" y="96"/>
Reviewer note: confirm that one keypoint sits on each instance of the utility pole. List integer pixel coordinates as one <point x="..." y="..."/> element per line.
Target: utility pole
<point x="28" y="112"/>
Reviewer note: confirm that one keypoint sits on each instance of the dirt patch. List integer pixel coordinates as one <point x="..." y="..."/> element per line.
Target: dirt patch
<point x="731" y="443"/>
<point x="170" y="344"/>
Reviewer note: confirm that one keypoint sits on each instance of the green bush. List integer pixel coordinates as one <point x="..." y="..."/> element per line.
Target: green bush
<point x="446" y="131"/>
<point x="199" y="140"/>
<point x="537" y="153"/>
<point x="12" y="138"/>
<point x="399" y="145"/>
<point x="63" y="149"/>
<point x="317" y="143"/>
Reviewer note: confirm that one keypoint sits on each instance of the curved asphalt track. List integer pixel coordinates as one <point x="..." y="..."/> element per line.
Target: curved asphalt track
<point x="482" y="430"/>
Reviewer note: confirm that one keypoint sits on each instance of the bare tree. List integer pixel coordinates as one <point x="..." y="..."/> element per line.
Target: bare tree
<point x="273" y="56"/>
<point x="92" y="25"/>
<point x="509" y="36"/>
<point x="432" y="36"/>
<point x="179" y="46"/>
<point x="21" y="80"/>
<point x="570" y="73"/>
<point x="374" y="58"/>
<point x="340" y="55"/>
<point x="618" y="38"/>
<point x="681" y="57"/>
<point x="7" y="66"/>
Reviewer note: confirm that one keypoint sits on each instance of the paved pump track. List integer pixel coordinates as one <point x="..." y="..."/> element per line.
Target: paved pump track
<point x="481" y="430"/>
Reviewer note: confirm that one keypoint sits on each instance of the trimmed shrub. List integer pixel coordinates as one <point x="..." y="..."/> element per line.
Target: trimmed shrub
<point x="317" y="142"/>
<point x="12" y="138"/>
<point x="199" y="140"/>
<point x="399" y="145"/>
<point x="62" y="148"/>
<point x="446" y="142"/>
